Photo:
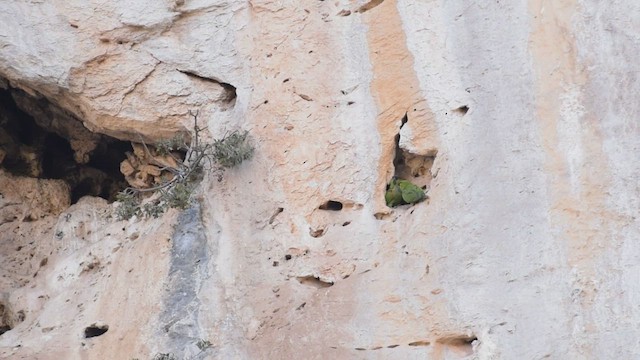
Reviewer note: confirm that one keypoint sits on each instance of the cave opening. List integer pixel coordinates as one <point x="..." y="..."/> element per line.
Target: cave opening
<point x="39" y="139"/>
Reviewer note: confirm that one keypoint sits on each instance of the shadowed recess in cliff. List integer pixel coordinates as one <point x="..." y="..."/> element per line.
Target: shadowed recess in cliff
<point x="314" y="281"/>
<point x="411" y="166"/>
<point x="39" y="139"/>
<point x="331" y="205"/>
<point x="8" y="319"/>
<point x="95" y="330"/>
<point x="229" y="95"/>
<point x="189" y="260"/>
<point x="459" y="345"/>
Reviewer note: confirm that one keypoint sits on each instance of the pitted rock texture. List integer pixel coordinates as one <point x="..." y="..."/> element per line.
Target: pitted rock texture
<point x="519" y="118"/>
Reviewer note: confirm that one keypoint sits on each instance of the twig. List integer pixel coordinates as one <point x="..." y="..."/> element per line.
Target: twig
<point x="176" y="192"/>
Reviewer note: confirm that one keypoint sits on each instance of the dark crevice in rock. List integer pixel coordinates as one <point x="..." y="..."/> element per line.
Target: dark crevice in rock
<point x="462" y="110"/>
<point x="420" y="343"/>
<point x="404" y="120"/>
<point x="461" y="344"/>
<point x="382" y="215"/>
<point x="4" y="329"/>
<point x="314" y="281"/>
<point x="331" y="205"/>
<point x="230" y="94"/>
<point x="317" y="232"/>
<point x="95" y="330"/>
<point x="410" y="166"/>
<point x="8" y="320"/>
<point x="277" y="212"/>
<point x="38" y="139"/>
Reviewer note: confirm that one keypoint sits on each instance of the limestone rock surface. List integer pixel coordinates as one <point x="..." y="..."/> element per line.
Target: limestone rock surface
<point x="519" y="118"/>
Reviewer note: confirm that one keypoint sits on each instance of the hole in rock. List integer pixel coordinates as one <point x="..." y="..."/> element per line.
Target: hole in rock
<point x="413" y="167"/>
<point x="420" y="343"/>
<point x="459" y="344"/>
<point x="314" y="281"/>
<point x="382" y="215"/>
<point x="277" y="212"/>
<point x="39" y="139"/>
<point x="229" y="93"/>
<point x="95" y="330"/>
<point x="404" y="120"/>
<point x="462" y="110"/>
<point x="8" y="320"/>
<point x="331" y="205"/>
<point x="316" y="232"/>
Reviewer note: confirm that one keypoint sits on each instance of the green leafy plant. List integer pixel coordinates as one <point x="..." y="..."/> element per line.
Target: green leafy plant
<point x="232" y="149"/>
<point x="129" y="204"/>
<point x="166" y="146"/>
<point x="176" y="190"/>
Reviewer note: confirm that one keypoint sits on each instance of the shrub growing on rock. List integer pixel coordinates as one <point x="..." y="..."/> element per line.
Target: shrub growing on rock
<point x="178" y="176"/>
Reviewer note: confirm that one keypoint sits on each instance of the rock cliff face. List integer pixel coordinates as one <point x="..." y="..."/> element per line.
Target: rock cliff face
<point x="518" y="117"/>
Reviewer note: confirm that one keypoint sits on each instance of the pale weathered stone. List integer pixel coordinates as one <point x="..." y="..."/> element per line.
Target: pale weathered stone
<point x="151" y="170"/>
<point x="520" y="118"/>
<point x="126" y="168"/>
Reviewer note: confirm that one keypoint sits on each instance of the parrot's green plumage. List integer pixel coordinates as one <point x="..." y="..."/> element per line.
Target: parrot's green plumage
<point x="393" y="196"/>
<point x="402" y="192"/>
<point x="411" y="193"/>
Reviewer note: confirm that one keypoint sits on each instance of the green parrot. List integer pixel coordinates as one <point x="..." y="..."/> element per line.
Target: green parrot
<point x="402" y="192"/>
<point x="411" y="193"/>
<point x="393" y="196"/>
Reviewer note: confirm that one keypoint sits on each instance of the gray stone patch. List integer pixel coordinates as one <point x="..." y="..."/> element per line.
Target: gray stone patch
<point x="189" y="259"/>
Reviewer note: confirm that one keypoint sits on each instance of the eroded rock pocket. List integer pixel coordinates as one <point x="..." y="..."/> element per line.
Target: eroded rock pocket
<point x="411" y="166"/>
<point x="331" y="205"/>
<point x="9" y="319"/>
<point x="38" y="139"/>
<point x="95" y="329"/>
<point x="412" y="173"/>
<point x="459" y="344"/>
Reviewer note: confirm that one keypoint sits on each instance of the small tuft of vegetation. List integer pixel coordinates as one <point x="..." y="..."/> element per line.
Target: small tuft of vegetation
<point x="176" y="191"/>
<point x="232" y="149"/>
<point x="203" y="344"/>
<point x="176" y="143"/>
<point x="129" y="204"/>
<point x="165" y="356"/>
